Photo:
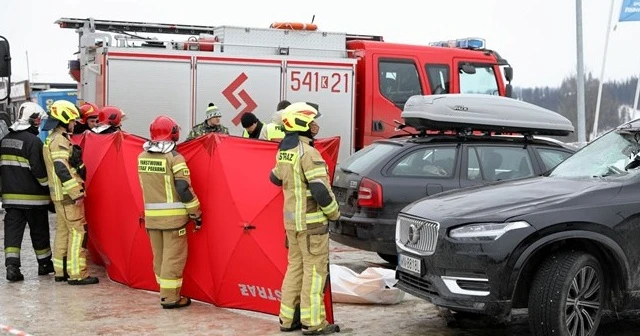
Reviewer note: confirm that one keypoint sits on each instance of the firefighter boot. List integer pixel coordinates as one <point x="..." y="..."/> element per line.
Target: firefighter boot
<point x="13" y="273"/>
<point x="295" y="325"/>
<point x="183" y="302"/>
<point x="45" y="267"/>
<point x="86" y="281"/>
<point x="65" y="275"/>
<point x="329" y="329"/>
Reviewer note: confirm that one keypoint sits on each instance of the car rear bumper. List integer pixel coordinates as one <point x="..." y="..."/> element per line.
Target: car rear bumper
<point x="369" y="234"/>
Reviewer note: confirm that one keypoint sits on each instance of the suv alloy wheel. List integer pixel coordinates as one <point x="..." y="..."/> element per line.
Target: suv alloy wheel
<point x="567" y="295"/>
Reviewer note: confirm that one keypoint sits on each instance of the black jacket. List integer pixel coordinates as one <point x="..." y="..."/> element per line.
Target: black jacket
<point x="23" y="175"/>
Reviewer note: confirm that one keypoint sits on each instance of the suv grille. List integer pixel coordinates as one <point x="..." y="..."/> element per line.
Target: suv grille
<point x="417" y="235"/>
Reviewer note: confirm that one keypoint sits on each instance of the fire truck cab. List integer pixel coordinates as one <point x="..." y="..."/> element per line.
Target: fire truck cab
<point x="387" y="74"/>
<point x="360" y="82"/>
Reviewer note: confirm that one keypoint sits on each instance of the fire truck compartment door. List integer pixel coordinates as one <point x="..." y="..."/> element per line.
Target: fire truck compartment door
<point x="145" y="88"/>
<point x="237" y="87"/>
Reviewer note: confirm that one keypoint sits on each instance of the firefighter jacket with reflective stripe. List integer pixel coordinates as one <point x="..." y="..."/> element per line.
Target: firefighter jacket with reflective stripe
<point x="304" y="177"/>
<point x="23" y="174"/>
<point x="169" y="200"/>
<point x="64" y="182"/>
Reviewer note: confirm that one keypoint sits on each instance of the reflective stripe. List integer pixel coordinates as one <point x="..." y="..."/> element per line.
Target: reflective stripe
<point x="333" y="206"/>
<point x="193" y="204"/>
<point x="315" y="217"/>
<point x="178" y="167"/>
<point x="170" y="283"/>
<point x="12" y="252"/>
<point x="298" y="192"/>
<point x="58" y="263"/>
<point x="315" y="298"/>
<point x="245" y="134"/>
<point x="309" y="193"/>
<point x="69" y="185"/>
<point x="43" y="181"/>
<point x="156" y="206"/>
<point x="168" y="188"/>
<point x="315" y="173"/>
<point x="60" y="155"/>
<point x="19" y="199"/>
<point x="14" y="160"/>
<point x="43" y="254"/>
<point x="73" y="261"/>
<point x="165" y="213"/>
<point x="287" y="312"/>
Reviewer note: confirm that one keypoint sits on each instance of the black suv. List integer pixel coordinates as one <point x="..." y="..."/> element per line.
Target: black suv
<point x="566" y="244"/>
<point x="375" y="183"/>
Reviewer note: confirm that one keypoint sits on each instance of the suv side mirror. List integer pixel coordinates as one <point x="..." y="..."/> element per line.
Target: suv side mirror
<point x="508" y="74"/>
<point x="5" y="58"/>
<point x="468" y="68"/>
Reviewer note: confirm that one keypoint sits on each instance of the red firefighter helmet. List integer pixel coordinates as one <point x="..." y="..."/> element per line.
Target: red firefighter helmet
<point x="110" y="115"/>
<point x="164" y="128"/>
<point x="88" y="110"/>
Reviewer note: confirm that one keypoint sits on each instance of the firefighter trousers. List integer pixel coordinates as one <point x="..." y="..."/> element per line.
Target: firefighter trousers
<point x="169" y="258"/>
<point x="305" y="280"/>
<point x="70" y="240"/>
<point x="15" y="222"/>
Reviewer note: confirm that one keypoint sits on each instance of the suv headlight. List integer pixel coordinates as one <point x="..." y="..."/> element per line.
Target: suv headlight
<point x="485" y="231"/>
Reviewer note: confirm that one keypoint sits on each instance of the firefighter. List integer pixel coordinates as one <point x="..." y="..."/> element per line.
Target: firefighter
<point x="252" y="126"/>
<point x="274" y="131"/>
<point x="169" y="203"/>
<point x="308" y="205"/>
<point x="211" y="124"/>
<point x="67" y="192"/>
<point x="25" y="195"/>
<point x="89" y="113"/>
<point x="109" y="120"/>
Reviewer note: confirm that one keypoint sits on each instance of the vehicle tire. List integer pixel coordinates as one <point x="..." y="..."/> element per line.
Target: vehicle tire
<point x="567" y="295"/>
<point x="390" y="258"/>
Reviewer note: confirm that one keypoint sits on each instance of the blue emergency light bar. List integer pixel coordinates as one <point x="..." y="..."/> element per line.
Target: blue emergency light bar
<point x="466" y="43"/>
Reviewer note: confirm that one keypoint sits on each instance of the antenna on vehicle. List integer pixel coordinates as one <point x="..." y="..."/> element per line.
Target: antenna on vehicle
<point x="313" y="18"/>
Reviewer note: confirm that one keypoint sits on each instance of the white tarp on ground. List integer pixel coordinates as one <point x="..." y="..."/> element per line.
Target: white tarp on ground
<point x="373" y="286"/>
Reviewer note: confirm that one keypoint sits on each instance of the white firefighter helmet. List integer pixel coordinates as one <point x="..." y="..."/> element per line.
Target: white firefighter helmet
<point x="29" y="114"/>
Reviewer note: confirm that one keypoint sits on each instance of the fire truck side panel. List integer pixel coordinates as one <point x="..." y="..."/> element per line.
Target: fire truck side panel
<point x="331" y="86"/>
<point x="237" y="86"/>
<point x="145" y="87"/>
<point x="90" y="75"/>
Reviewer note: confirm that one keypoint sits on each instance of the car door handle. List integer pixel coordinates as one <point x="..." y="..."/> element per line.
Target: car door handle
<point x="433" y="189"/>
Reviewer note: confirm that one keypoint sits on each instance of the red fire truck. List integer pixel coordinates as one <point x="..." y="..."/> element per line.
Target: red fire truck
<point x="361" y="82"/>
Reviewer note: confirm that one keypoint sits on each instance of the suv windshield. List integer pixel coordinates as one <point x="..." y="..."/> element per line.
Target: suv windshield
<point x="606" y="156"/>
<point x="366" y="157"/>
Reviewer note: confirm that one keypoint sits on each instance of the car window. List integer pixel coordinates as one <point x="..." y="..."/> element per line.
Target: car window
<point x="426" y="162"/>
<point x="367" y="157"/>
<point x="552" y="157"/>
<point x="487" y="163"/>
<point x="399" y="80"/>
<point x="438" y="75"/>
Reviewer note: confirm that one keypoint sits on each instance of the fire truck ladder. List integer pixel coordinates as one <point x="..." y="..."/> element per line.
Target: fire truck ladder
<point x="91" y="25"/>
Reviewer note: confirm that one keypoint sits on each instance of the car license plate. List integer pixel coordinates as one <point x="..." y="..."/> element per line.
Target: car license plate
<point x="410" y="264"/>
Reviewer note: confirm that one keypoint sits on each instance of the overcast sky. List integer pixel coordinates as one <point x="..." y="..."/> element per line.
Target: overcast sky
<point x="538" y="37"/>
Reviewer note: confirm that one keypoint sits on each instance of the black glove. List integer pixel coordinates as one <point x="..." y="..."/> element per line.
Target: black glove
<point x="76" y="162"/>
<point x="198" y="222"/>
<point x="52" y="208"/>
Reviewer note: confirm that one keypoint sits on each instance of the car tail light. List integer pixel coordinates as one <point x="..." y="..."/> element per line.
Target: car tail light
<point x="369" y="194"/>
